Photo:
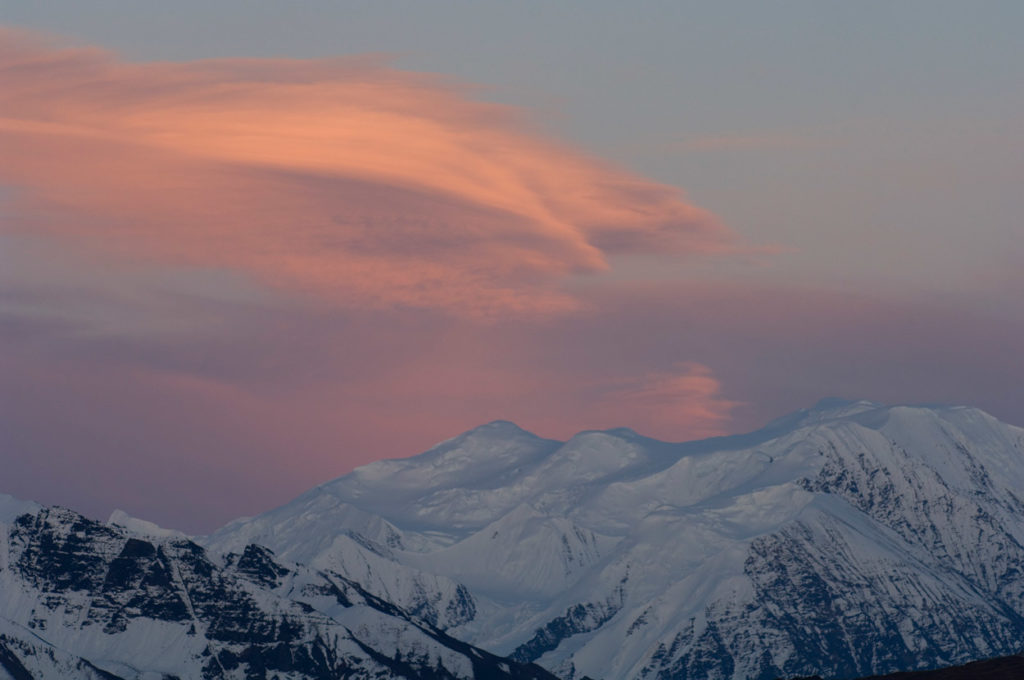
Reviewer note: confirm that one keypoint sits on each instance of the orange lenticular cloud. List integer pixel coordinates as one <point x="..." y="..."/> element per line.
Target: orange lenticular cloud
<point x="344" y="178"/>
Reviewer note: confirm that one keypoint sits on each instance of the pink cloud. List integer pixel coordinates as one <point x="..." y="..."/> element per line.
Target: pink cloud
<point x="352" y="181"/>
<point x="682" y="403"/>
<point x="370" y="189"/>
<point x="205" y="426"/>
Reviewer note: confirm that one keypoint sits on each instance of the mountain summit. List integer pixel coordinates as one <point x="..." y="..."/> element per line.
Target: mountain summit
<point x="844" y="540"/>
<point x="847" y="539"/>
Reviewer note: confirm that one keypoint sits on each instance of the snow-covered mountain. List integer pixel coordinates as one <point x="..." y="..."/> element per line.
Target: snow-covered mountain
<point x="844" y="540"/>
<point x="82" y="600"/>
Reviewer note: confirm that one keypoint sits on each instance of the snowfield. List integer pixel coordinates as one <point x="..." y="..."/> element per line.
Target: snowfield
<point x="847" y="539"/>
<point x="844" y="540"/>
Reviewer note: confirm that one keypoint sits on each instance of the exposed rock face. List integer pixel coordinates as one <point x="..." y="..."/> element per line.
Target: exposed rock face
<point x="844" y="540"/>
<point x="81" y="599"/>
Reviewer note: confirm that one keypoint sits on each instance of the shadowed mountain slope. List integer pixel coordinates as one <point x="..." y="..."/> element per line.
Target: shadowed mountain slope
<point x="846" y="539"/>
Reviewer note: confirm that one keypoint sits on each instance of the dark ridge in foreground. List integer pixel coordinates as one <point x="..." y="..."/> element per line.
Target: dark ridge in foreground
<point x="1002" y="668"/>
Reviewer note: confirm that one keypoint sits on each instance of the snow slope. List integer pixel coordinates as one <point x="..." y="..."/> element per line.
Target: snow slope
<point x="84" y="600"/>
<point x="847" y="539"/>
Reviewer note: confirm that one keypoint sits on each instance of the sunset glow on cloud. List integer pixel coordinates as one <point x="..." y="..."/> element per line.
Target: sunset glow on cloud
<point x="353" y="181"/>
<point x="688" y="399"/>
<point x="245" y="276"/>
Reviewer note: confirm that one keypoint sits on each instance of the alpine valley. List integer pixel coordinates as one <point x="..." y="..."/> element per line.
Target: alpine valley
<point x="845" y="540"/>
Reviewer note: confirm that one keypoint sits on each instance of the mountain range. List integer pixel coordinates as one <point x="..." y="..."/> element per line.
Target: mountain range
<point x="844" y="540"/>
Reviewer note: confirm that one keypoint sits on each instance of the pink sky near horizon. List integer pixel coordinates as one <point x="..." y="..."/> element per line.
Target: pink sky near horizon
<point x="225" y="281"/>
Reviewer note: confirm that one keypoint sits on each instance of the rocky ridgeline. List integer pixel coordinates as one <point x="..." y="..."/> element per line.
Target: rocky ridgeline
<point x="844" y="540"/>
<point x="83" y="599"/>
<point x="841" y="541"/>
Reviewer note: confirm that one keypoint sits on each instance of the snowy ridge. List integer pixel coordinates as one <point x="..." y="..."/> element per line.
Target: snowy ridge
<point x="84" y="600"/>
<point x="846" y="539"/>
<point x="141" y="527"/>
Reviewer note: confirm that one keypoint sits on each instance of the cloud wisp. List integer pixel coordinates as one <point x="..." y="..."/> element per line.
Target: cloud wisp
<point x="165" y="225"/>
<point x="360" y="184"/>
<point x="685" y="402"/>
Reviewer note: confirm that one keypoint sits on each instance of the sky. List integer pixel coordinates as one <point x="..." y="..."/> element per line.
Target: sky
<point x="248" y="246"/>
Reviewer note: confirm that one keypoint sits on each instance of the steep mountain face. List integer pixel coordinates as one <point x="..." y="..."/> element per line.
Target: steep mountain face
<point x="85" y="600"/>
<point x="845" y="540"/>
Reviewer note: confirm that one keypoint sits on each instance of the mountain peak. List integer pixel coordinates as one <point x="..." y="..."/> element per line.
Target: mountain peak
<point x="502" y="428"/>
<point x="614" y="555"/>
<point x="11" y="507"/>
<point x="120" y="518"/>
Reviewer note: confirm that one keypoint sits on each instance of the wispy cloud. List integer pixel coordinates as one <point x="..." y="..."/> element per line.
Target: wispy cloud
<point x="355" y="182"/>
<point x="684" y="402"/>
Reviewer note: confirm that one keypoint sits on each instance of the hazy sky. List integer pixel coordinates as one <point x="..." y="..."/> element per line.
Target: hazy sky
<point x="247" y="246"/>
